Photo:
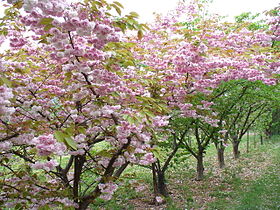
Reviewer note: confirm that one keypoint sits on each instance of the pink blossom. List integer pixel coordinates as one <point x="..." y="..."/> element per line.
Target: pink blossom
<point x="147" y="159"/>
<point x="223" y="132"/>
<point x="159" y="199"/>
<point x="140" y="188"/>
<point x="5" y="95"/>
<point x="119" y="162"/>
<point x="160" y="121"/>
<point x="107" y="190"/>
<point x="77" y="152"/>
<point x="48" y="165"/>
<point x="47" y="145"/>
<point x="5" y="145"/>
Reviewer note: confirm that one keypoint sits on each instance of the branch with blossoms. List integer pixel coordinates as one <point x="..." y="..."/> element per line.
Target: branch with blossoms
<point x="71" y="97"/>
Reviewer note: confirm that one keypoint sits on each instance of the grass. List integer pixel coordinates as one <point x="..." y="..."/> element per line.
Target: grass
<point x="263" y="193"/>
<point x="250" y="183"/>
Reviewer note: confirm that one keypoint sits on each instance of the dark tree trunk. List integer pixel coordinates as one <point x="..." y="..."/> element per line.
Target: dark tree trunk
<point x="162" y="188"/>
<point x="199" y="167"/>
<point x="87" y="200"/>
<point x="83" y="205"/>
<point x="274" y="127"/>
<point x="248" y="142"/>
<point x="159" y="183"/>
<point x="268" y="132"/>
<point x="255" y="142"/>
<point x="236" y="153"/>
<point x="221" y="157"/>
<point x="79" y="161"/>
<point x="155" y="182"/>
<point x="261" y="139"/>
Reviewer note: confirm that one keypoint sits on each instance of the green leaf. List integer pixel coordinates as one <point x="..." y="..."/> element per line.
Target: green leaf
<point x="48" y="27"/>
<point x="46" y="21"/>
<point x="65" y="138"/>
<point x="133" y="14"/>
<point x="140" y="34"/>
<point x="18" y="4"/>
<point x="82" y="130"/>
<point x="18" y="207"/>
<point x="4" y="80"/>
<point x="46" y="207"/>
<point x="68" y="75"/>
<point x="118" y="3"/>
<point x="119" y="11"/>
<point x="104" y="153"/>
<point x="59" y="136"/>
<point x="148" y="113"/>
<point x="130" y="120"/>
<point x="158" y="153"/>
<point x="70" y="130"/>
<point x="69" y="141"/>
<point x="128" y="63"/>
<point x="121" y="25"/>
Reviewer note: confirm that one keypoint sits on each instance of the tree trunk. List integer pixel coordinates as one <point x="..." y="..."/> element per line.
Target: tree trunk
<point x="162" y="189"/>
<point x="275" y="128"/>
<point x="248" y="142"/>
<point x="84" y="202"/>
<point x="155" y="182"/>
<point x="221" y="157"/>
<point x="255" y="142"/>
<point x="159" y="183"/>
<point x="199" y="167"/>
<point x="79" y="161"/>
<point x="261" y="137"/>
<point x="236" y="153"/>
<point x="83" y="205"/>
<point x="87" y="200"/>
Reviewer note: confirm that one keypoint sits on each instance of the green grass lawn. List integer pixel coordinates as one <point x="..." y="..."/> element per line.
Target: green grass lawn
<point x="264" y="192"/>
<point x="249" y="183"/>
<point x="252" y="182"/>
<point x="261" y="192"/>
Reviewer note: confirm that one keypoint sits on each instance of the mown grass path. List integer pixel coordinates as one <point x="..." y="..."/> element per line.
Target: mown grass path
<point x="256" y="184"/>
<point x="250" y="183"/>
<point x="264" y="192"/>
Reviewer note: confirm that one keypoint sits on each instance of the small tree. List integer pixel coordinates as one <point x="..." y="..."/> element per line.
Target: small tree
<point x="75" y="114"/>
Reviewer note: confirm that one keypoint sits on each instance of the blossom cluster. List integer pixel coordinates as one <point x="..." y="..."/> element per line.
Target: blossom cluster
<point x="81" y="145"/>
<point x="47" y="145"/>
<point x="107" y="190"/>
<point x="73" y="75"/>
<point x="47" y="165"/>
<point x="5" y="95"/>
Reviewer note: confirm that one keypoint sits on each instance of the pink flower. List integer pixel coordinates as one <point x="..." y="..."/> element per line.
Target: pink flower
<point x="5" y="95"/>
<point x="147" y="159"/>
<point x="159" y="199"/>
<point x="107" y="190"/>
<point x="47" y="145"/>
<point x="5" y="146"/>
<point x="48" y="165"/>
<point x="160" y="121"/>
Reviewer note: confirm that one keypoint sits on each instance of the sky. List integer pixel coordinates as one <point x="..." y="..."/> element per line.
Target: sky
<point x="231" y="8"/>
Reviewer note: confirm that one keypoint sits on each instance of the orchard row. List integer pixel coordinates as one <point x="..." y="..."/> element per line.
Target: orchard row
<point x="85" y="93"/>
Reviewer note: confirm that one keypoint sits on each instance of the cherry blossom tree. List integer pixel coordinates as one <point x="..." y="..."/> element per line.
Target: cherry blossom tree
<point x="80" y="101"/>
<point x="73" y="107"/>
<point x="189" y="54"/>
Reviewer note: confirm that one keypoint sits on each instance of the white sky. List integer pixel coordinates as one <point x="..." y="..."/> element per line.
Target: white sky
<point x="146" y="8"/>
<point x="231" y="8"/>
